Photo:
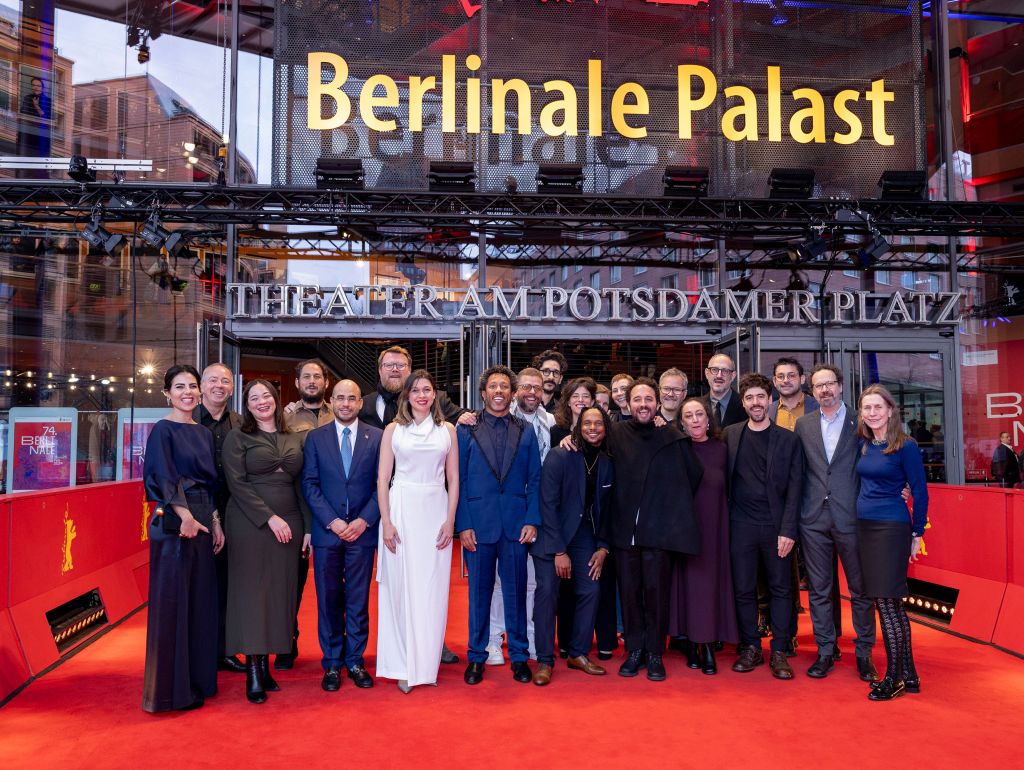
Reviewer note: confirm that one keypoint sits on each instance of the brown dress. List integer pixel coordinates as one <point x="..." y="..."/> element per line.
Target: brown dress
<point x="264" y="473"/>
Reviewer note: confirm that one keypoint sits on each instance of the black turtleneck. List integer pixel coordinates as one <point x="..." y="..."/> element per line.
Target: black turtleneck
<point x="590" y="455"/>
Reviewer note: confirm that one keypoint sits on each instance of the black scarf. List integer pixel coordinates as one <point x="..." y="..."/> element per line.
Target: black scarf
<point x="390" y="403"/>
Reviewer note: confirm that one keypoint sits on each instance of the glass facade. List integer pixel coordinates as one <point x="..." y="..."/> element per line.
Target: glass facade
<point x="91" y="326"/>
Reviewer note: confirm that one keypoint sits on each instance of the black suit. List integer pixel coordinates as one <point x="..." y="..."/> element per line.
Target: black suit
<point x="1004" y="466"/>
<point x="566" y="529"/>
<point x="752" y="540"/>
<point x="734" y="412"/>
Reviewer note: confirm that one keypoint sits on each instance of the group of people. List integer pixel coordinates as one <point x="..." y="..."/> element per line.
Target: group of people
<point x="571" y="503"/>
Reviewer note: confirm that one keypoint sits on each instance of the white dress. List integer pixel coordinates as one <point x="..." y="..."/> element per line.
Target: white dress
<point x="412" y="595"/>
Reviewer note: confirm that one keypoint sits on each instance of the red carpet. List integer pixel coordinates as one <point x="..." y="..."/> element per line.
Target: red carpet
<point x="86" y="714"/>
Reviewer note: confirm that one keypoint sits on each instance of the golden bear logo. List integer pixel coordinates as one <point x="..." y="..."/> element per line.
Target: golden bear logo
<point x="70" y="533"/>
<point x="147" y="510"/>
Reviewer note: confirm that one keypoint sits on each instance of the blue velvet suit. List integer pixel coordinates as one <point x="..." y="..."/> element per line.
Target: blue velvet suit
<point x="342" y="570"/>
<point x="496" y="501"/>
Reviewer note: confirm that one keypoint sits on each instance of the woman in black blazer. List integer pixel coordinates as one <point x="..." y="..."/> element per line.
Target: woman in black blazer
<point x="575" y="489"/>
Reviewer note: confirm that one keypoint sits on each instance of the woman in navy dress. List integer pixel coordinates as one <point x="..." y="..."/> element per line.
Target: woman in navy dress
<point x="888" y="538"/>
<point x="180" y="476"/>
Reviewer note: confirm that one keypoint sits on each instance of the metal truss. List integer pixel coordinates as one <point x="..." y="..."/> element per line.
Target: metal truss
<point x="386" y="215"/>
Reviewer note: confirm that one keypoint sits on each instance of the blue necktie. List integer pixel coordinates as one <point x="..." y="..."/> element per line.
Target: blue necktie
<point x="346" y="450"/>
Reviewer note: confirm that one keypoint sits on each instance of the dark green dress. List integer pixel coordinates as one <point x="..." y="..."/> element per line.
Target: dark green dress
<point x="264" y="473"/>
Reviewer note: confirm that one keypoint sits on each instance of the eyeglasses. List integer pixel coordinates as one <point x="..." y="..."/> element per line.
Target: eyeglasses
<point x="394" y="367"/>
<point x="531" y="388"/>
<point x="717" y="370"/>
<point x="672" y="391"/>
<point x="789" y="376"/>
<point x="823" y="385"/>
<point x="551" y="372"/>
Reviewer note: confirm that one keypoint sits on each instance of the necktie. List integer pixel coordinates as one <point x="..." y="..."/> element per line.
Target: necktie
<point x="346" y="450"/>
<point x="718" y="413"/>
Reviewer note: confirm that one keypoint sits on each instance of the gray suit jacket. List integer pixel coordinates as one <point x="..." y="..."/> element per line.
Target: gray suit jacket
<point x="837" y="481"/>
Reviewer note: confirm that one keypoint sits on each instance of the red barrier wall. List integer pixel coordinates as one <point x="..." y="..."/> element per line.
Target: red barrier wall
<point x="57" y="545"/>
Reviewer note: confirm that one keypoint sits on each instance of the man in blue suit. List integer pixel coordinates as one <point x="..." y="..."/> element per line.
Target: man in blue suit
<point x="497" y="518"/>
<point x="339" y="480"/>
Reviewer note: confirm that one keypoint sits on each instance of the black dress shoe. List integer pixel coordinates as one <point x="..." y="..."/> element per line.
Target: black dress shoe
<point x="332" y="680"/>
<point x="819" y="669"/>
<point x="359" y="675"/>
<point x="655" y="668"/>
<point x="750" y="658"/>
<point x="268" y="681"/>
<point x="779" y="665"/>
<point x="838" y="656"/>
<point x="232" y="664"/>
<point x="286" y="661"/>
<point x="197" y="702"/>
<point x="791" y="648"/>
<point x="563" y="653"/>
<point x="631" y="665"/>
<point x="866" y="669"/>
<point x="693" y="655"/>
<point x="604" y="655"/>
<point x="912" y="685"/>
<point x="474" y="673"/>
<point x="521" y="672"/>
<point x="253" y="680"/>
<point x="887" y="689"/>
<point x="708" y="664"/>
<point x="447" y="656"/>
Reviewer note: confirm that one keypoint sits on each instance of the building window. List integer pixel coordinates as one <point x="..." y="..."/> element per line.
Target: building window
<point x="705" y="277"/>
<point x="578" y="268"/>
<point x="852" y="273"/>
<point x="595" y="279"/>
<point x="735" y="275"/>
<point x="933" y="282"/>
<point x="614" y="274"/>
<point x="578" y="284"/>
<point x="565" y="272"/>
<point x="670" y="281"/>
<point x="908" y="281"/>
<point x="882" y="278"/>
<point x="639" y="269"/>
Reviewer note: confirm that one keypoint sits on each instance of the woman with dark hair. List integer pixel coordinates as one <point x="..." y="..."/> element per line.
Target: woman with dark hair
<point x="418" y="493"/>
<point x="575" y="490"/>
<point x="180" y="476"/>
<point x="268" y="523"/>
<point x="703" y="609"/>
<point x="576" y="396"/>
<point x="888" y="537"/>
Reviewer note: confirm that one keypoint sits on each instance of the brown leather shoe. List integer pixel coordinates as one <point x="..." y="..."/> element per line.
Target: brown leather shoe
<point x="542" y="675"/>
<point x="750" y="658"/>
<point x="582" y="663"/>
<point x="780" y="666"/>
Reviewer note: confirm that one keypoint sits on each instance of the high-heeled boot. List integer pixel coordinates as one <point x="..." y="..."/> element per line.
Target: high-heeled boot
<point x="692" y="650"/>
<point x="707" y="655"/>
<point x="253" y="682"/>
<point x="268" y="681"/>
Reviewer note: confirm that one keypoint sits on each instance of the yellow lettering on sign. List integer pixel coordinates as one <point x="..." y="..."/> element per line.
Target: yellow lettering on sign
<point x="747" y="110"/>
<point x="499" y="91"/>
<point x="316" y="89"/>
<point x="368" y="100"/>
<point x="621" y="109"/>
<point x="816" y="114"/>
<point x="569" y="125"/>
<point x="417" y="88"/>
<point x="878" y="96"/>
<point x="847" y="116"/>
<point x="594" y="94"/>
<point x="687" y="104"/>
<point x="774" y="104"/>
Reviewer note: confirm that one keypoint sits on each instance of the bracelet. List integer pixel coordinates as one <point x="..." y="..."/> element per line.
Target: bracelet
<point x="216" y="519"/>
<point x="563" y="553"/>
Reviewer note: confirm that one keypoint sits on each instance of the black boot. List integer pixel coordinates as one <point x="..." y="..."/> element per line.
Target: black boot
<point x="268" y="681"/>
<point x="253" y="683"/>
<point x="693" y="654"/>
<point x="708" y="664"/>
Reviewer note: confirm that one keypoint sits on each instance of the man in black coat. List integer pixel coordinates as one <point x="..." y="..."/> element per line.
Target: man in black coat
<point x="726" y="408"/>
<point x="765" y="477"/>
<point x="1005" y="469"/>
<point x="652" y="517"/>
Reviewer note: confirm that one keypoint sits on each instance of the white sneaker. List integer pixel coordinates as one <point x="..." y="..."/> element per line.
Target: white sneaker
<point x="494" y="656"/>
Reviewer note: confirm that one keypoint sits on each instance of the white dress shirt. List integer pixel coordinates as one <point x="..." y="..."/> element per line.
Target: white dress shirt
<point x="832" y="429"/>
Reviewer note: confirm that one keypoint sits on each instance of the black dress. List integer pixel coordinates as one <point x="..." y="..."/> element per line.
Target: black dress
<point x="181" y="633"/>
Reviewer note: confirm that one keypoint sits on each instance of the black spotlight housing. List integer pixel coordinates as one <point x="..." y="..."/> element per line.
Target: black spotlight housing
<point x="158" y="236"/>
<point x="452" y="176"/>
<point x="339" y="174"/>
<point x="873" y="250"/>
<point x="903" y="186"/>
<point x="685" y="181"/>
<point x="812" y="248"/>
<point x="97" y="236"/>
<point x="790" y="183"/>
<point x="560" y="178"/>
<point x="78" y="169"/>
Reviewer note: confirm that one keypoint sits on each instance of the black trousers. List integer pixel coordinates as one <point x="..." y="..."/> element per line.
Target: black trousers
<point x="607" y="623"/>
<point x="585" y="593"/>
<point x="300" y="587"/>
<point x="645" y="576"/>
<point x="751" y="543"/>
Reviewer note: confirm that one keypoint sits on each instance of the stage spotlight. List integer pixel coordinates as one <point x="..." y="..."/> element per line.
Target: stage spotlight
<point x="903" y="186"/>
<point x="560" y="178"/>
<point x="867" y="255"/>
<point x="511" y="185"/>
<point x="685" y="181"/>
<point x="451" y="177"/>
<point x="178" y="286"/>
<point x="159" y="237"/>
<point x="78" y="169"/>
<point x="791" y="183"/>
<point x="98" y="236"/>
<point x="796" y="282"/>
<point x="143" y="53"/>
<point x="812" y="248"/>
<point x="339" y="174"/>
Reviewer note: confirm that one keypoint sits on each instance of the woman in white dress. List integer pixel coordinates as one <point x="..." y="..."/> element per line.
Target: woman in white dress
<point x="417" y="515"/>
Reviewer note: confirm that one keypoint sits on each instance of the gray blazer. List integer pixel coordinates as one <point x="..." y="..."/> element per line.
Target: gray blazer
<point x="837" y="481"/>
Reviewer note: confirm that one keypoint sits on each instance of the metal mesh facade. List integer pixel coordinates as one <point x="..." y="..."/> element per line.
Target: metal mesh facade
<point x="829" y="47"/>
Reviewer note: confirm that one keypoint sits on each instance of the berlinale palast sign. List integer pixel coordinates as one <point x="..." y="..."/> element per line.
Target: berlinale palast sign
<point x="419" y="302"/>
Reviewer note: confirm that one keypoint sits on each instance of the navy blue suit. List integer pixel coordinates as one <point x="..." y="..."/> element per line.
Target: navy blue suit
<point x="565" y="529"/>
<point x="496" y="500"/>
<point x="342" y="570"/>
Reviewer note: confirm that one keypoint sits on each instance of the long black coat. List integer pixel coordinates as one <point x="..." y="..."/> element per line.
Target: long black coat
<point x="656" y="477"/>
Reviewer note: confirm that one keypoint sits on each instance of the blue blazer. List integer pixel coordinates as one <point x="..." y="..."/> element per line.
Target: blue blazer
<point x="495" y="501"/>
<point x="563" y="494"/>
<point x="333" y="496"/>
